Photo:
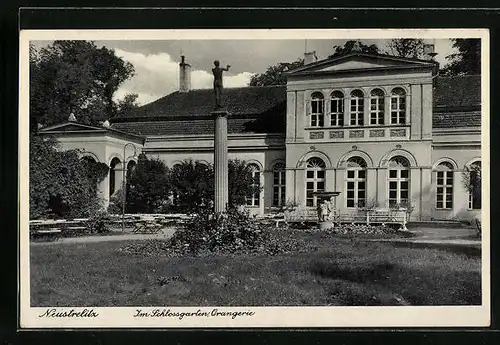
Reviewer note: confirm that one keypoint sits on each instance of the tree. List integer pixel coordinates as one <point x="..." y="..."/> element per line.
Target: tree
<point x="351" y="46"/>
<point x="274" y="74"/>
<point x="61" y="184"/>
<point x="74" y="77"/>
<point x="241" y="183"/>
<point x="127" y="104"/>
<point x="406" y="47"/>
<point x="148" y="186"/>
<point x="468" y="58"/>
<point x="192" y="184"/>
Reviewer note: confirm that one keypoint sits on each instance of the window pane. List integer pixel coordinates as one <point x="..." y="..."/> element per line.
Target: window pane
<point x="350" y="203"/>
<point x="310" y="185"/>
<point x="404" y="194"/>
<point x="393" y="194"/>
<point x="321" y="185"/>
<point x="361" y="194"/>
<point x="439" y="204"/>
<point x="404" y="184"/>
<point x="350" y="194"/>
<point x="321" y="174"/>
<point x="393" y="185"/>
<point x="310" y="174"/>
<point x="393" y="173"/>
<point x="361" y="173"/>
<point x="350" y="185"/>
<point x="449" y="181"/>
<point x="439" y="190"/>
<point x="404" y="173"/>
<point x="361" y="185"/>
<point x="350" y="174"/>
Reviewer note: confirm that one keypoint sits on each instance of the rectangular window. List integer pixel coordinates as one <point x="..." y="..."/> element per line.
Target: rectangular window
<point x="279" y="188"/>
<point x="357" y="111"/>
<point x="337" y="112"/>
<point x="376" y="111"/>
<point x="444" y="189"/>
<point x="356" y="188"/>
<point x="399" y="187"/>
<point x="317" y="113"/>
<point x="398" y="110"/>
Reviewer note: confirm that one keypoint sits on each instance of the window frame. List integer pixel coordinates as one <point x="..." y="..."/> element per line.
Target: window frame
<point x="317" y="118"/>
<point x="446" y="171"/>
<point x="319" y="166"/>
<point x="337" y="116"/>
<point x="398" y="113"/>
<point x="399" y="180"/>
<point x="279" y="171"/>
<point x="470" y="203"/>
<point x="358" y="102"/>
<point x="377" y="114"/>
<point x="254" y="199"/>
<point x="355" y="180"/>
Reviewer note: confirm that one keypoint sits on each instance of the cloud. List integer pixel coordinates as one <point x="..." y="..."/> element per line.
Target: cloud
<point x="157" y="75"/>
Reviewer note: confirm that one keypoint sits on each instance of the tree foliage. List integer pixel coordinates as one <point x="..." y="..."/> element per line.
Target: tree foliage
<point x="241" y="183"/>
<point x="127" y="104"/>
<point x="468" y="58"/>
<point x="354" y="45"/>
<point x="148" y="186"/>
<point x="61" y="184"/>
<point x="74" y="77"/>
<point x="406" y="47"/>
<point x="274" y="74"/>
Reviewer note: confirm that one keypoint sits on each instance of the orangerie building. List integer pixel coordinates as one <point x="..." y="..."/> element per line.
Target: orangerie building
<point x="378" y="129"/>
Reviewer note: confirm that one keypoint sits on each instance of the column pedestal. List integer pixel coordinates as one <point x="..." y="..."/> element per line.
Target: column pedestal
<point x="220" y="161"/>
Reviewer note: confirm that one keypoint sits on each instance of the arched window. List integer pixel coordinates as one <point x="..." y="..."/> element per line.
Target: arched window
<point x="112" y="176"/>
<point x="279" y="184"/>
<point x="357" y="106"/>
<point x="377" y="107"/>
<point x="337" y="109"/>
<point x="356" y="182"/>
<point x="315" y="179"/>
<point x="317" y="110"/>
<point x="475" y="186"/>
<point x="444" y="186"/>
<point x="398" y="106"/>
<point x="254" y="198"/>
<point x="399" y="181"/>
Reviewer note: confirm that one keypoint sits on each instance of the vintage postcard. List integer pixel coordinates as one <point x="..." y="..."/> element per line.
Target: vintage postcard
<point x="259" y="178"/>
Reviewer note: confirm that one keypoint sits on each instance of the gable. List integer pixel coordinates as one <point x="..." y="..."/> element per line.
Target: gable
<point x="71" y="127"/>
<point x="360" y="61"/>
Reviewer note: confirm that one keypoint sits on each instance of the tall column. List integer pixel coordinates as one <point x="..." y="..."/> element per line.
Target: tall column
<point x="220" y="161"/>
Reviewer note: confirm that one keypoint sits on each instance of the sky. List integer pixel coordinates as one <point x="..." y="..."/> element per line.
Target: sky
<point x="156" y="62"/>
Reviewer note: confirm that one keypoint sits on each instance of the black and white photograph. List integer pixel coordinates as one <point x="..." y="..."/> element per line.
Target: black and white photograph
<point x="255" y="178"/>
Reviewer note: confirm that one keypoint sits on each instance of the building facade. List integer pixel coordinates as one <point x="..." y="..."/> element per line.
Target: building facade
<point x="383" y="131"/>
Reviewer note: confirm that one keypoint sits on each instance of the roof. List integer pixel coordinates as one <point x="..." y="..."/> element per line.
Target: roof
<point x="456" y="119"/>
<point x="202" y="126"/>
<point x="75" y="127"/>
<point x="458" y="92"/>
<point x="457" y="102"/>
<point x="377" y="62"/>
<point x="200" y="103"/>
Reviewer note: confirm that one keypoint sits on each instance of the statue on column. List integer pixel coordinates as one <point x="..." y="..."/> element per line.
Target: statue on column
<point x="217" y="71"/>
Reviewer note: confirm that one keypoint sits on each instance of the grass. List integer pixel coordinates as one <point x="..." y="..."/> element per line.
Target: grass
<point x="336" y="271"/>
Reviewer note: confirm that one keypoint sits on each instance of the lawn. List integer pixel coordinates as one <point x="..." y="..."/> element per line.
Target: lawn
<point x="333" y="271"/>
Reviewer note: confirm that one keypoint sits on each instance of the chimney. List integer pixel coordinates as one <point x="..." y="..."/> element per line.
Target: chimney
<point x="184" y="75"/>
<point x="429" y="52"/>
<point x="310" y="57"/>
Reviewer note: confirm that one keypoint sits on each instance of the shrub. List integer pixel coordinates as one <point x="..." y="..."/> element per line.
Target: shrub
<point x="148" y="186"/>
<point x="98" y="222"/>
<point x="61" y="184"/>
